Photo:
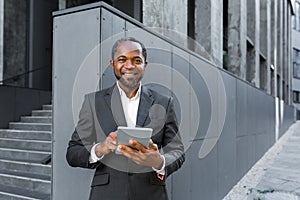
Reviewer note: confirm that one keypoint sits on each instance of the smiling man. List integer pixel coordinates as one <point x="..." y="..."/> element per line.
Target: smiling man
<point x="139" y="172"/>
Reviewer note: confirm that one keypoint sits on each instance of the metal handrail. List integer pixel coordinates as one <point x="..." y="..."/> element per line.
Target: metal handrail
<point x="20" y="75"/>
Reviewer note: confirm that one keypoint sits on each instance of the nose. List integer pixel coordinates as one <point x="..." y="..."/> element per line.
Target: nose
<point x="129" y="64"/>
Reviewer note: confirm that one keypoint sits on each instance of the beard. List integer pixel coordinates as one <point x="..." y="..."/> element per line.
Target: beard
<point x="130" y="83"/>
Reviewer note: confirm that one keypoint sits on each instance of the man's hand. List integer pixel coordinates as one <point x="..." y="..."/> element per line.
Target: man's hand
<point x="142" y="155"/>
<point x="109" y="145"/>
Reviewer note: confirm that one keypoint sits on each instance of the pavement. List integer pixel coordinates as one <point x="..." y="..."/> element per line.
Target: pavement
<point x="276" y="176"/>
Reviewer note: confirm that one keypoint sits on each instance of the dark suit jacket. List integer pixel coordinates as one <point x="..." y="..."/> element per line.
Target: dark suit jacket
<point x="117" y="177"/>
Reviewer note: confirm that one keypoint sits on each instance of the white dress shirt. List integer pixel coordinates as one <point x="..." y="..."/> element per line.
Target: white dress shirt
<point x="130" y="109"/>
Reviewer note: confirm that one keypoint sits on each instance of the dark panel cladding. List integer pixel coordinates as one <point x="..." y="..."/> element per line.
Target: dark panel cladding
<point x="16" y="102"/>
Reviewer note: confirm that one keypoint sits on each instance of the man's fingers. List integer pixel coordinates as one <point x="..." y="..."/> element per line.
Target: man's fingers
<point x="130" y="153"/>
<point x="137" y="145"/>
<point x="110" y="145"/>
<point x="152" y="145"/>
<point x="113" y="135"/>
<point x="110" y="140"/>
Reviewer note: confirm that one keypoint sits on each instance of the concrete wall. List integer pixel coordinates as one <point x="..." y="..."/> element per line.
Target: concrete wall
<point x="168" y="17"/>
<point x="15" y="40"/>
<point x="259" y="44"/>
<point x="16" y="102"/>
<point x="209" y="30"/>
<point x="26" y="43"/>
<point x="226" y="124"/>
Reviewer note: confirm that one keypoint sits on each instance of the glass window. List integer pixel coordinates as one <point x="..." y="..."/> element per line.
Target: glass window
<point x="296" y="17"/>
<point x="296" y="96"/>
<point x="296" y="63"/>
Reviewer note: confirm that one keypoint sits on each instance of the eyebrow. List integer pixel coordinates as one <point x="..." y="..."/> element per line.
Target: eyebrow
<point x="122" y="56"/>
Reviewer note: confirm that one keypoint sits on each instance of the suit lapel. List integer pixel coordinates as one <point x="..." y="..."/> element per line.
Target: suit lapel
<point x="113" y="101"/>
<point x="146" y="101"/>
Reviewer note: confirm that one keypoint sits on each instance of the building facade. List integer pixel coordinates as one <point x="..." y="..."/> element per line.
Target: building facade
<point x="296" y="57"/>
<point x="246" y="43"/>
<point x="251" y="39"/>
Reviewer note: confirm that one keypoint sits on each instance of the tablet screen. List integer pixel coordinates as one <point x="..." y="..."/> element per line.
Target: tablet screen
<point x="142" y="135"/>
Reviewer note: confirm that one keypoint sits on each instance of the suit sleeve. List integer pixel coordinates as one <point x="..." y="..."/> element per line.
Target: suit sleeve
<point x="83" y="137"/>
<point x="172" y="145"/>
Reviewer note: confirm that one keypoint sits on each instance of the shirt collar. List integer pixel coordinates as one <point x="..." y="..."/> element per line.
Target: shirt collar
<point x="137" y="95"/>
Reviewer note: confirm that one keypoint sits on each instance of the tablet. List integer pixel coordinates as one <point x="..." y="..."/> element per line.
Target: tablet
<point x="142" y="135"/>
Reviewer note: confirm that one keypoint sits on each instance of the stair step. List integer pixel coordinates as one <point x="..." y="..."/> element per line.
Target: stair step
<point x="25" y="174"/>
<point x="23" y="148"/>
<point x="25" y="167"/>
<point x="37" y="119"/>
<point x="26" y="183"/>
<point x="23" y="155"/>
<point x="42" y="113"/>
<point x="40" y="145"/>
<point x="30" y="126"/>
<point x="24" y="134"/>
<point x="11" y="194"/>
<point x="47" y="107"/>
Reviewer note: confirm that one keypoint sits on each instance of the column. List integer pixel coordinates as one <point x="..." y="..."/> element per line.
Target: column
<point x="265" y="45"/>
<point x="62" y="4"/>
<point x="209" y="30"/>
<point x="279" y="66"/>
<point x="274" y="32"/>
<point x="253" y="43"/>
<point x="257" y="43"/>
<point x="268" y="50"/>
<point x="169" y="17"/>
<point x="290" y="51"/>
<point x="1" y="38"/>
<point x="237" y="31"/>
<point x="15" y="41"/>
<point x="284" y="52"/>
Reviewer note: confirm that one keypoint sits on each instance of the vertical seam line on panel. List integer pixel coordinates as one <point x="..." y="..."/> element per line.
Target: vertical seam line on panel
<point x="172" y="72"/>
<point x="190" y="110"/>
<point x="100" y="48"/>
<point x="236" y="107"/>
<point x="125" y="29"/>
<point x="236" y="131"/>
<point x="172" y="86"/>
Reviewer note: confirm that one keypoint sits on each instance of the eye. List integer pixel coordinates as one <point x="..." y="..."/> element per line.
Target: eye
<point x="121" y="60"/>
<point x="137" y="61"/>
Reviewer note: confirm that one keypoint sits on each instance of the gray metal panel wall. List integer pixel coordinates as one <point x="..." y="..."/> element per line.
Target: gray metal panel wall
<point x="226" y="124"/>
<point x="76" y="65"/>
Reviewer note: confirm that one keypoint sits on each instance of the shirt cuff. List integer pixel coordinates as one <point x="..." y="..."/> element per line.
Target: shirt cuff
<point x="162" y="170"/>
<point x="93" y="157"/>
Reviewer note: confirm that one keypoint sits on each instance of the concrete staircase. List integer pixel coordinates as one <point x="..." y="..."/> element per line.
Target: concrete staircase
<point x="23" y="149"/>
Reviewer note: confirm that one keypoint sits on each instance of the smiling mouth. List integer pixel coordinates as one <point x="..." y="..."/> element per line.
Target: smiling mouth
<point x="128" y="74"/>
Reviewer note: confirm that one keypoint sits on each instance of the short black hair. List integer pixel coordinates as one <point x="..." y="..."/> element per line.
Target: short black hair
<point x="115" y="46"/>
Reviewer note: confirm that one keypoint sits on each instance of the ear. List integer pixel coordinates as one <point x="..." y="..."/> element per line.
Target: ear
<point x="146" y="63"/>
<point x="112" y="64"/>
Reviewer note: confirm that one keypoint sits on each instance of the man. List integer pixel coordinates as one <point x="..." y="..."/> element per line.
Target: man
<point x="138" y="172"/>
